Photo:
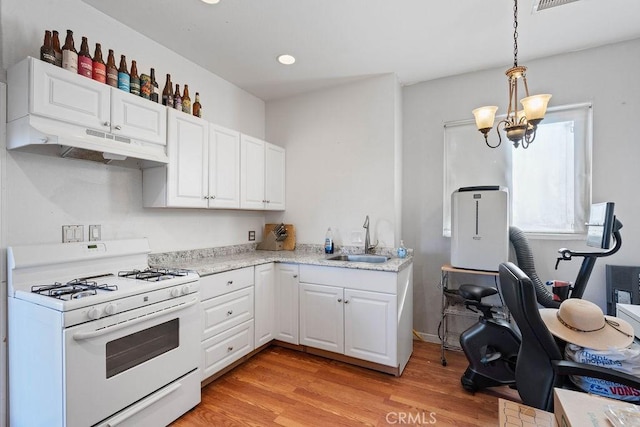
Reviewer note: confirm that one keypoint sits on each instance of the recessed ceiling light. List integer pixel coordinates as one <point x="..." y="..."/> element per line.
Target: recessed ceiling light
<point x="211" y="1"/>
<point x="286" y="59"/>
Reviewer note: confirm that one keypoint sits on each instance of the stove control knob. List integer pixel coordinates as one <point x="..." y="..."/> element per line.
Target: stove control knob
<point x="110" y="309"/>
<point x="175" y="292"/>
<point x="186" y="289"/>
<point x="93" y="313"/>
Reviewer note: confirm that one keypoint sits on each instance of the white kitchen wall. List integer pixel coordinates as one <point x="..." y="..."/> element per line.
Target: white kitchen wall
<point x="43" y="193"/>
<point x="342" y="144"/>
<point x="606" y="76"/>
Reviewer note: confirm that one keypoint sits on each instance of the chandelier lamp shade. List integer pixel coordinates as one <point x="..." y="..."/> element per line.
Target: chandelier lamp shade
<point x="520" y="125"/>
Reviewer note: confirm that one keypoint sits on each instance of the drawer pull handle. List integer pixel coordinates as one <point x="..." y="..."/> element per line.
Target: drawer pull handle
<point x="229" y="313"/>
<point x="339" y="299"/>
<point x="346" y="301"/>
<point x="230" y="282"/>
<point x="295" y="276"/>
<point x="230" y="348"/>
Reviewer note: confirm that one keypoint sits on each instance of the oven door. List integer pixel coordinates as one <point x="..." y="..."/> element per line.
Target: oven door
<point x="113" y="362"/>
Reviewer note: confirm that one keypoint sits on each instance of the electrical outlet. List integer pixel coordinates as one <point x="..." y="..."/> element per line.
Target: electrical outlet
<point x="252" y="236"/>
<point x="72" y="233"/>
<point x="94" y="232"/>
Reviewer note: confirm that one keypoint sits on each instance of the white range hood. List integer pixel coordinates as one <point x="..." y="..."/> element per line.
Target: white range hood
<point x="72" y="141"/>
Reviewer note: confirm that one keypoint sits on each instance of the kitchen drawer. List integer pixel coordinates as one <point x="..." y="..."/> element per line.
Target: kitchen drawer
<point x="225" y="348"/>
<point x="226" y="311"/>
<point x="222" y="283"/>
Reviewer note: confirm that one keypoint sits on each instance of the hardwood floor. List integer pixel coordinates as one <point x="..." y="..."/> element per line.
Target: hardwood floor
<point x="288" y="388"/>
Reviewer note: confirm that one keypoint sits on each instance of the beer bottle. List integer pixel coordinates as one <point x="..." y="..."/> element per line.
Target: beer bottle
<point x="167" y="93"/>
<point x="154" y="86"/>
<point x="69" y="54"/>
<point x="124" y="80"/>
<point x="197" y="108"/>
<point x="134" y="79"/>
<point x="99" y="68"/>
<point x="112" y="71"/>
<point x="85" y="63"/>
<point x="186" y="100"/>
<point x="177" y="99"/>
<point x="47" y="54"/>
<point x="55" y="41"/>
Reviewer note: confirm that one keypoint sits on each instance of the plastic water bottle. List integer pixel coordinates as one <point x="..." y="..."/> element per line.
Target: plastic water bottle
<point x="328" y="242"/>
<point x="402" y="251"/>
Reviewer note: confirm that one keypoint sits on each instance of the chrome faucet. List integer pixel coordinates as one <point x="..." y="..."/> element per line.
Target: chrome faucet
<point x="366" y="235"/>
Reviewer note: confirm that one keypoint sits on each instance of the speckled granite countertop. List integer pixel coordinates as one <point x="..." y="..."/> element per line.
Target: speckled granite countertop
<point x="217" y="260"/>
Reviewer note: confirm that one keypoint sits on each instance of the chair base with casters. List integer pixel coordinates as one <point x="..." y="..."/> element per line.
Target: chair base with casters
<point x="491" y="345"/>
<point x="540" y="366"/>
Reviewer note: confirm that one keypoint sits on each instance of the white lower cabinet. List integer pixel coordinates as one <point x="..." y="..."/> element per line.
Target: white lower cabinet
<point x="227" y="301"/>
<point x="264" y="303"/>
<point x="363" y="314"/>
<point x="286" y="303"/>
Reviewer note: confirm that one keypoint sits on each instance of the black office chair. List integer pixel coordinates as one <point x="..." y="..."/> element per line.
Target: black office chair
<point x="540" y="366"/>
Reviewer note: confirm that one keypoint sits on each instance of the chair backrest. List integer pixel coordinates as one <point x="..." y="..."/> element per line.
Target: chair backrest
<point x="524" y="255"/>
<point x="535" y="377"/>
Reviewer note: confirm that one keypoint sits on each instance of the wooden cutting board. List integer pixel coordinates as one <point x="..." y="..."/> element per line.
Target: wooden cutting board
<point x="289" y="243"/>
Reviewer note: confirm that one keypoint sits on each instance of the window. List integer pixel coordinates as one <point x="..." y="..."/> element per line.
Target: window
<point x="549" y="183"/>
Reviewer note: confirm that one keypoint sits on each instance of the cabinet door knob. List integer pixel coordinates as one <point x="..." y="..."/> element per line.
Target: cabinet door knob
<point x="230" y="348"/>
<point x="105" y="124"/>
<point x="295" y="276"/>
<point x="212" y="197"/>
<point x="346" y="301"/>
<point x="339" y="299"/>
<point x="205" y="197"/>
<point x="230" y="282"/>
<point x="229" y="313"/>
<point x="118" y="127"/>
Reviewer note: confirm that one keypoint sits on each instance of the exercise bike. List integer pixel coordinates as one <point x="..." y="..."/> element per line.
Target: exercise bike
<point x="491" y="345"/>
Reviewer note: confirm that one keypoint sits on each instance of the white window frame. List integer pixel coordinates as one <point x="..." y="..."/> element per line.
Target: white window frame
<point x="469" y="162"/>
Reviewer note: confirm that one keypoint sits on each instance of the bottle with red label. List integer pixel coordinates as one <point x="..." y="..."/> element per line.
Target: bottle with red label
<point x="99" y="67"/>
<point x="112" y="70"/>
<point x="69" y="54"/>
<point x="85" y="62"/>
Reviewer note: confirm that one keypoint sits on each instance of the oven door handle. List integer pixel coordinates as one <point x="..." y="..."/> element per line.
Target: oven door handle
<point x="79" y="336"/>
<point x="142" y="405"/>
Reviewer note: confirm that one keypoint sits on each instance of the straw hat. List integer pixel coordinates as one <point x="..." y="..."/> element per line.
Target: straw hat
<point x="583" y="323"/>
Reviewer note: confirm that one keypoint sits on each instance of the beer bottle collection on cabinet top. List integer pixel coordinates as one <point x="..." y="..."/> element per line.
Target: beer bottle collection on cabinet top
<point x="143" y="85"/>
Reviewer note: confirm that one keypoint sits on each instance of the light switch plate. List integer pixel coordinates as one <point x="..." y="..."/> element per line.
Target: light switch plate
<point x="252" y="235"/>
<point x="72" y="233"/>
<point x="95" y="233"/>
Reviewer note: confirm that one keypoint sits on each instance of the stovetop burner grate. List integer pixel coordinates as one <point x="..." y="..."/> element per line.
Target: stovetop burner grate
<point x="153" y="274"/>
<point x="74" y="289"/>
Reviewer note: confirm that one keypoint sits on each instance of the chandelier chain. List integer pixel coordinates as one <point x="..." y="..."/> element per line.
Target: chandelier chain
<point x="515" y="33"/>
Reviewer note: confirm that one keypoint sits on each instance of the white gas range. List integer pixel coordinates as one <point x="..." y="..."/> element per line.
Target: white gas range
<point x="107" y="340"/>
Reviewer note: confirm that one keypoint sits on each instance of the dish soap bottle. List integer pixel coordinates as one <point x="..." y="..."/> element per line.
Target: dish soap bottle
<point x="328" y="242"/>
<point x="402" y="251"/>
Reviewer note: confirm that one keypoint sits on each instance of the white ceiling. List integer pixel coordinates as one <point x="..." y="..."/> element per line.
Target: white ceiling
<point x="336" y="41"/>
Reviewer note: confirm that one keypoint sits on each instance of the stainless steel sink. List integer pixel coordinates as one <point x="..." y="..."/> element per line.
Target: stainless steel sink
<point x="359" y="258"/>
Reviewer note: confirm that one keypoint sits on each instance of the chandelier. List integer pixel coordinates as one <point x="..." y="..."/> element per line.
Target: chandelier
<point x="519" y="125"/>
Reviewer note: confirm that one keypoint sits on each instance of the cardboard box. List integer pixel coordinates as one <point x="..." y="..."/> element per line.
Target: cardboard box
<point x="578" y="409"/>
<point x="511" y="414"/>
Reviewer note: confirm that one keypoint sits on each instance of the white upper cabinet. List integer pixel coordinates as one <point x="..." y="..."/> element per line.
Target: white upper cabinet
<point x="203" y="169"/>
<point x="262" y="175"/>
<point x="187" y="171"/>
<point x="48" y="91"/>
<point x="137" y="117"/>
<point x="224" y="167"/>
